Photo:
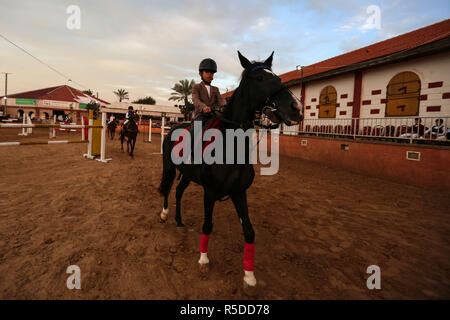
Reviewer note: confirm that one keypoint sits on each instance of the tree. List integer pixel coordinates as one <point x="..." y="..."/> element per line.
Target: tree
<point x="88" y="92"/>
<point x="122" y="94"/>
<point x="94" y="106"/>
<point x="146" y="100"/>
<point x="183" y="90"/>
<point x="186" y="110"/>
<point x="71" y="111"/>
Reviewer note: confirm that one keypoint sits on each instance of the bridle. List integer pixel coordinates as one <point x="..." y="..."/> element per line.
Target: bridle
<point x="268" y="105"/>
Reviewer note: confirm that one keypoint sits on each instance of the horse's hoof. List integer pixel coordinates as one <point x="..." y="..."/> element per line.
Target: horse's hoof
<point x="180" y="224"/>
<point x="249" y="290"/>
<point x="204" y="268"/>
<point x="164" y="215"/>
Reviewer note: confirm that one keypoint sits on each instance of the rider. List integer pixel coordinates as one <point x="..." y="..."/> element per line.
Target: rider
<point x="204" y="95"/>
<point x="111" y="119"/>
<point x="128" y="117"/>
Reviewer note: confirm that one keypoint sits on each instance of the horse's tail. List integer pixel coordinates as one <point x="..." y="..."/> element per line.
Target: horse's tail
<point x="169" y="169"/>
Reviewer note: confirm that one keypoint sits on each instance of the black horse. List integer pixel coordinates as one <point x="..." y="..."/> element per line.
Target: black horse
<point x="258" y="88"/>
<point x="130" y="131"/>
<point x="112" y="129"/>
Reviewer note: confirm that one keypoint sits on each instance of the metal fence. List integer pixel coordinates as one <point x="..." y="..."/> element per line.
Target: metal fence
<point x="395" y="129"/>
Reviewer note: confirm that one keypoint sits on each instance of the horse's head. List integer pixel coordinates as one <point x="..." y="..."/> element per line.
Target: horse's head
<point x="262" y="91"/>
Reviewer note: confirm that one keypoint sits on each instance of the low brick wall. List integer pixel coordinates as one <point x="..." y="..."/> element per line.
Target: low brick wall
<point x="383" y="160"/>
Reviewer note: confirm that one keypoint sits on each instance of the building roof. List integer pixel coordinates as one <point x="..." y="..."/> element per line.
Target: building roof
<point x="144" y="109"/>
<point x="58" y="93"/>
<point x="402" y="42"/>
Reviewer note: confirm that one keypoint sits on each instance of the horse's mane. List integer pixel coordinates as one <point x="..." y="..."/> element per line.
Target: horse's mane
<point x="242" y="86"/>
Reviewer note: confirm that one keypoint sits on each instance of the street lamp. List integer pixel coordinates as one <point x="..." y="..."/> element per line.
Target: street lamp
<point x="4" y="106"/>
<point x="300" y="68"/>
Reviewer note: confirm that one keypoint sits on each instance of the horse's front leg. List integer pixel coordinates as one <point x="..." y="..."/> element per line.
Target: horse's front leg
<point x="240" y="203"/>
<point x="180" y="190"/>
<point x="208" y="202"/>
<point x="133" y="143"/>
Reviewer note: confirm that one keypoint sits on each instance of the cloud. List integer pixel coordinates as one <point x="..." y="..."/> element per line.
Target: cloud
<point x="262" y="24"/>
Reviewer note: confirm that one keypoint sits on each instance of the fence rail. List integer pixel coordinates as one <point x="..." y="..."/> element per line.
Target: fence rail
<point x="425" y="128"/>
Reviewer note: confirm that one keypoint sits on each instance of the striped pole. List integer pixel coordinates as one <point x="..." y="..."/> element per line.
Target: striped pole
<point x="23" y="143"/>
<point x="62" y="126"/>
<point x="89" y="141"/>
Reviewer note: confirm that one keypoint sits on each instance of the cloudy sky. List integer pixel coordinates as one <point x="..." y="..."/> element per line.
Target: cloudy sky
<point x="147" y="46"/>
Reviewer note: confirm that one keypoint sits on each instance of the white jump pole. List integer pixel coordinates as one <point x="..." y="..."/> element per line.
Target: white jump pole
<point x="89" y="152"/>
<point x="52" y="130"/>
<point x="82" y="130"/>
<point x="163" y="127"/>
<point x="103" y="141"/>
<point x="29" y="130"/>
<point x="150" y="130"/>
<point x="24" y="133"/>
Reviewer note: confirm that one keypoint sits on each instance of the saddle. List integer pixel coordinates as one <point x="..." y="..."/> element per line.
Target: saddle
<point x="197" y="142"/>
<point x="131" y="126"/>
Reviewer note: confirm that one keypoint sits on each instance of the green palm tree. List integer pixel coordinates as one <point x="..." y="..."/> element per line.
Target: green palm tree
<point x="122" y="94"/>
<point x="183" y="89"/>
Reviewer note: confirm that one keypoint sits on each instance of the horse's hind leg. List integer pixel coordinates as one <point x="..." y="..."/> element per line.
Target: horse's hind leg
<point x="206" y="231"/>
<point x="180" y="190"/>
<point x="133" y="143"/>
<point x="240" y="203"/>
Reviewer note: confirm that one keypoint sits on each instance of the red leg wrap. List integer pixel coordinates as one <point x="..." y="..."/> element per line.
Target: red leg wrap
<point x="204" y="243"/>
<point x="249" y="256"/>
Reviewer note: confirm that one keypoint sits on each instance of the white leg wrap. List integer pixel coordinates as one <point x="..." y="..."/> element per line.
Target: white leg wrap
<point x="164" y="213"/>
<point x="203" y="258"/>
<point x="249" y="278"/>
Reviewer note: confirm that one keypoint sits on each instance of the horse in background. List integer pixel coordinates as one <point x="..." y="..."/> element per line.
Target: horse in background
<point x="130" y="131"/>
<point x="112" y="129"/>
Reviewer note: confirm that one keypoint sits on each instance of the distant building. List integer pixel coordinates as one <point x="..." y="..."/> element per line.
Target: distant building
<point x="119" y="109"/>
<point x="44" y="103"/>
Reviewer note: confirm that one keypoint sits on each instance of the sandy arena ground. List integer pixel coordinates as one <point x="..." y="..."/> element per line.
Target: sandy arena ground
<point x="317" y="230"/>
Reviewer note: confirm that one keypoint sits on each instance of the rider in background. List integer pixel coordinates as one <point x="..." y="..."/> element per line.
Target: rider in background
<point x="129" y="115"/>
<point x="111" y="119"/>
<point x="204" y="95"/>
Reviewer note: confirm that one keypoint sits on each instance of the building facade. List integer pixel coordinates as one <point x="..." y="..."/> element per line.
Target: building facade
<point x="392" y="82"/>
<point x="45" y="103"/>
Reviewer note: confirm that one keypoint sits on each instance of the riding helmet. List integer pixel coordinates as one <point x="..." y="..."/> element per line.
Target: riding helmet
<point x="208" y="64"/>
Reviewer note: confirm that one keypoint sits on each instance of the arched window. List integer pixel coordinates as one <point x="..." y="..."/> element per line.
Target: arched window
<point x="327" y="102"/>
<point x="403" y="95"/>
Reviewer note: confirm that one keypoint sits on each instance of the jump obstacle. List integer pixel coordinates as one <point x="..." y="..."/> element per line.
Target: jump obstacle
<point x="163" y="128"/>
<point x="93" y="138"/>
<point x="149" y="132"/>
<point x="29" y="130"/>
